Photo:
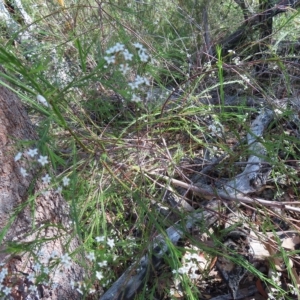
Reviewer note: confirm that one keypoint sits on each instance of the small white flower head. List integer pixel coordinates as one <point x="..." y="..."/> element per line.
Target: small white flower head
<point x="127" y="55"/>
<point x="6" y="290"/>
<point x="31" y="277"/>
<point x="42" y="100"/>
<point x="46" y="179"/>
<point x="146" y="81"/>
<point x="245" y="78"/>
<point x="135" y="98"/>
<point x="54" y="254"/>
<point x="18" y="156"/>
<point x="110" y="59"/>
<point x="66" y="181"/>
<point x="37" y="267"/>
<point x="102" y="264"/>
<point x="231" y="51"/>
<point x="138" y="46"/>
<point x="100" y="239"/>
<point x="43" y="160"/>
<point x="99" y="275"/>
<point x="23" y="172"/>
<point x="3" y="273"/>
<point x="110" y="243"/>
<point x="124" y="68"/>
<point x="91" y="256"/>
<point x="32" y="288"/>
<point x="237" y="60"/>
<point x="32" y="152"/>
<point x="119" y="47"/>
<point x="143" y="56"/>
<point x="138" y="81"/>
<point x="116" y="48"/>
<point x="59" y="190"/>
<point x="66" y="260"/>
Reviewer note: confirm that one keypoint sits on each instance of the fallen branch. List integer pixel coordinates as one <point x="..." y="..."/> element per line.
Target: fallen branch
<point x="127" y="286"/>
<point x="135" y="276"/>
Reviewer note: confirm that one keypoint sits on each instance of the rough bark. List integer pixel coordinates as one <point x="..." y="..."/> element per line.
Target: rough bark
<point x="38" y="222"/>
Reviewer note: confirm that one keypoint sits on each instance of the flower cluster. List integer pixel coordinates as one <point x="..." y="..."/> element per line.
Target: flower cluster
<point x="139" y="80"/>
<point x="4" y="289"/>
<point x="43" y="161"/>
<point x="275" y="276"/>
<point x="190" y="266"/>
<point x="113" y="51"/>
<point x="40" y="266"/>
<point x="119" y="49"/>
<point x="91" y="256"/>
<point x="142" y="52"/>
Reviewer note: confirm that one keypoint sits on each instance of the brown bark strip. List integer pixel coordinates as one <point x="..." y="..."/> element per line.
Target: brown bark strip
<point x="47" y="229"/>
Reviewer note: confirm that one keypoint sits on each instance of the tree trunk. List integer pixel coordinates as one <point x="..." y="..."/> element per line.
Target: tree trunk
<point x="35" y="228"/>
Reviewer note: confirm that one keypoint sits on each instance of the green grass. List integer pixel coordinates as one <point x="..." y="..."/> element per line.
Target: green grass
<point x="108" y="145"/>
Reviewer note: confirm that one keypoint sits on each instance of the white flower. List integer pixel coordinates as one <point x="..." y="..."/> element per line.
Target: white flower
<point x="18" y="156"/>
<point x="124" y="68"/>
<point x="99" y="275"/>
<point x="100" y="239"/>
<point x="54" y="254"/>
<point x="43" y="160"/>
<point x="66" y="260"/>
<point x="66" y="181"/>
<point x="135" y="98"/>
<point x="37" y="267"/>
<point x="116" y="48"/>
<point x="138" y="46"/>
<point x="6" y="291"/>
<point x="236" y="60"/>
<point x="23" y="172"/>
<point x="3" y="273"/>
<point x="245" y="78"/>
<point x="31" y="277"/>
<point x="110" y="59"/>
<point x="183" y="270"/>
<point x="102" y="264"/>
<point x="91" y="256"/>
<point x="143" y="56"/>
<point x="127" y="55"/>
<point x="32" y="152"/>
<point x="46" y="179"/>
<point x="110" y="243"/>
<point x="138" y="81"/>
<point x="58" y="190"/>
<point x="32" y="288"/>
<point x="42" y="100"/>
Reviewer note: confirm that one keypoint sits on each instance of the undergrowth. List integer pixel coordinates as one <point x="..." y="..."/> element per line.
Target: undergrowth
<point x="122" y="100"/>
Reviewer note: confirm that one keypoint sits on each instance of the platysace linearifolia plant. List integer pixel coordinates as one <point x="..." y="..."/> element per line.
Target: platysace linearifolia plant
<point x="113" y="55"/>
<point x="32" y="158"/>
